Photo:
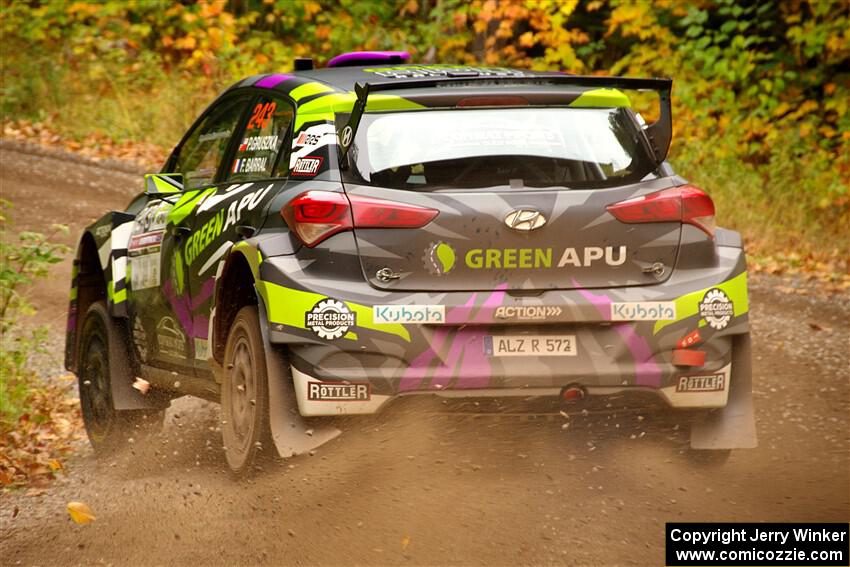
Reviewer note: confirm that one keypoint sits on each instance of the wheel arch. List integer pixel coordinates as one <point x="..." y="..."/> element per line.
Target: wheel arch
<point x="88" y="285"/>
<point x="235" y="288"/>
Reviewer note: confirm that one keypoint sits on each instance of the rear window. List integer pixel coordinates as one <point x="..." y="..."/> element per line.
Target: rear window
<point x="519" y="147"/>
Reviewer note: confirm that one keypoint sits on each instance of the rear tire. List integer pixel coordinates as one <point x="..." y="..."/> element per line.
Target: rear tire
<point x="244" y="393"/>
<point x="108" y="429"/>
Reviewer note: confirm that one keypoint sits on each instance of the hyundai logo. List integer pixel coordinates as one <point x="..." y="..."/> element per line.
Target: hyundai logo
<point x="525" y="219"/>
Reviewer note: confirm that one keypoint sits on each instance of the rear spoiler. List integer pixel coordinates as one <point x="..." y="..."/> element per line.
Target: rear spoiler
<point x="659" y="132"/>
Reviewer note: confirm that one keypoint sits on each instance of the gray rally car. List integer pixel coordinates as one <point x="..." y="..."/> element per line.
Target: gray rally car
<point x="323" y="242"/>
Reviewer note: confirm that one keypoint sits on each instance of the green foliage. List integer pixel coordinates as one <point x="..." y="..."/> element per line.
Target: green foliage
<point x="761" y="95"/>
<point x="22" y="262"/>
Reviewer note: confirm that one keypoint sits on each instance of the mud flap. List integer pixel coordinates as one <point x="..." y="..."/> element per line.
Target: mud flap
<point x="124" y="396"/>
<point x="291" y="435"/>
<point x="734" y="426"/>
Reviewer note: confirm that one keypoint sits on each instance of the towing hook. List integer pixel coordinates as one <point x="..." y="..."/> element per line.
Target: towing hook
<point x="386" y="275"/>
<point x="573" y="393"/>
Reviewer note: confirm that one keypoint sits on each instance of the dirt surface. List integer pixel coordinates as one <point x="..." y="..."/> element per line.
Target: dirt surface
<point x="417" y="487"/>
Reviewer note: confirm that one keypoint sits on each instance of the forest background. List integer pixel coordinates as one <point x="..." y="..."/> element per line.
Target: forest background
<point x="761" y="89"/>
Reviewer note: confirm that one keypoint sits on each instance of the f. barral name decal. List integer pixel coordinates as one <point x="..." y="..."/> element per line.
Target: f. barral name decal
<point x="423" y="314"/>
<point x="250" y="165"/>
<point x="716" y="308"/>
<point x="330" y="319"/>
<point x="307" y="166"/>
<point x="644" y="311"/>
<point x="338" y="392"/>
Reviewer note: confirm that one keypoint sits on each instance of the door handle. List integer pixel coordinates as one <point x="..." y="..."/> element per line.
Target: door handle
<point x="245" y="231"/>
<point x="180" y="231"/>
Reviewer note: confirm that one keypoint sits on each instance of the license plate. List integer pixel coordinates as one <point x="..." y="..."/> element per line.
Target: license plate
<point x="530" y="345"/>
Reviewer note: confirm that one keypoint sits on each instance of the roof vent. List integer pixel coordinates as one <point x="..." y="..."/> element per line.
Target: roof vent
<point x="303" y="64"/>
<point x="360" y="58"/>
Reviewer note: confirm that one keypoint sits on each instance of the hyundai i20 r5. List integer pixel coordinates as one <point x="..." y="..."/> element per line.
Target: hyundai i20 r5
<point x="323" y="242"/>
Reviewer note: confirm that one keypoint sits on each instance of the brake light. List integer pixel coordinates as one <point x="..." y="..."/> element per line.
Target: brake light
<point x="686" y="204"/>
<point x="317" y="215"/>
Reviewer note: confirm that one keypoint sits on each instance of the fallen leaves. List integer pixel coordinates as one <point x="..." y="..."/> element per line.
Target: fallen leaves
<point x="80" y="512"/>
<point x="95" y="146"/>
<point x="142" y="385"/>
<point x="33" y="447"/>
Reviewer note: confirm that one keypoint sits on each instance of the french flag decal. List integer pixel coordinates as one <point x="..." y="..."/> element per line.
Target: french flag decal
<point x="236" y="166"/>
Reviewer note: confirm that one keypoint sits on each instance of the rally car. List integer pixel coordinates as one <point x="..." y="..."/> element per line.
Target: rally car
<point x="326" y="241"/>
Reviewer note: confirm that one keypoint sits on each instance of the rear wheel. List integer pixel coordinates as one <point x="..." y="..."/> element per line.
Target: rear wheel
<point x="244" y="393"/>
<point x="108" y="429"/>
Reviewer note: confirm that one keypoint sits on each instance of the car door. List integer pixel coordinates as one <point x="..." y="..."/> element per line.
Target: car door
<point x="161" y="301"/>
<point x="235" y="207"/>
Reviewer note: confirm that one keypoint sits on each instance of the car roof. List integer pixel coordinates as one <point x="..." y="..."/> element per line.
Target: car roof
<point x="320" y="94"/>
<point x="343" y="79"/>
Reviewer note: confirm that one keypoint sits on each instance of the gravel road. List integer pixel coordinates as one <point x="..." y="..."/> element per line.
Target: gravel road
<point x="416" y="487"/>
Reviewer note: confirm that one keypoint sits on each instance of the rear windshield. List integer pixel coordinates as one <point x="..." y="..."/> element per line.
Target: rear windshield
<point x="519" y="147"/>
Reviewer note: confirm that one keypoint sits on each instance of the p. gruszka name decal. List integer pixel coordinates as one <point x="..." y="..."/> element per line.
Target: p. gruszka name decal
<point x="536" y="258"/>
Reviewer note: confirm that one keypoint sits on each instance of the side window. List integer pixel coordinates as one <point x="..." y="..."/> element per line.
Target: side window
<point x="201" y="154"/>
<point x="263" y="140"/>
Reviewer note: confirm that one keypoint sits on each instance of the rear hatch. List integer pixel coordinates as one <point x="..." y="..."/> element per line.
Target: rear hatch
<point x="521" y="196"/>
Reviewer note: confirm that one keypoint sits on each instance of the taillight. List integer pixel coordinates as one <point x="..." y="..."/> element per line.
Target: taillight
<point x="316" y="215"/>
<point x="687" y="204"/>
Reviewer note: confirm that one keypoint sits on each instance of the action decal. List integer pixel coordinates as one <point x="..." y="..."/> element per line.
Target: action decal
<point x="528" y="313"/>
<point x="330" y="319"/>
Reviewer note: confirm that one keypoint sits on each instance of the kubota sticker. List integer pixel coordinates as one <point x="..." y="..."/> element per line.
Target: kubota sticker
<point x="644" y="311"/>
<point x="421" y="314"/>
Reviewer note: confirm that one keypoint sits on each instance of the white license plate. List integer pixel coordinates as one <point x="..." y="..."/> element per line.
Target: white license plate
<point x="530" y="345"/>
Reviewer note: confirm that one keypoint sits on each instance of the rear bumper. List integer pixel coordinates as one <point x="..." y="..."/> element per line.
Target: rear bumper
<point x="393" y="357"/>
<point x="317" y="397"/>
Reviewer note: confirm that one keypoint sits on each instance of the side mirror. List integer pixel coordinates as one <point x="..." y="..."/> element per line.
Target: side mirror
<point x="159" y="184"/>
